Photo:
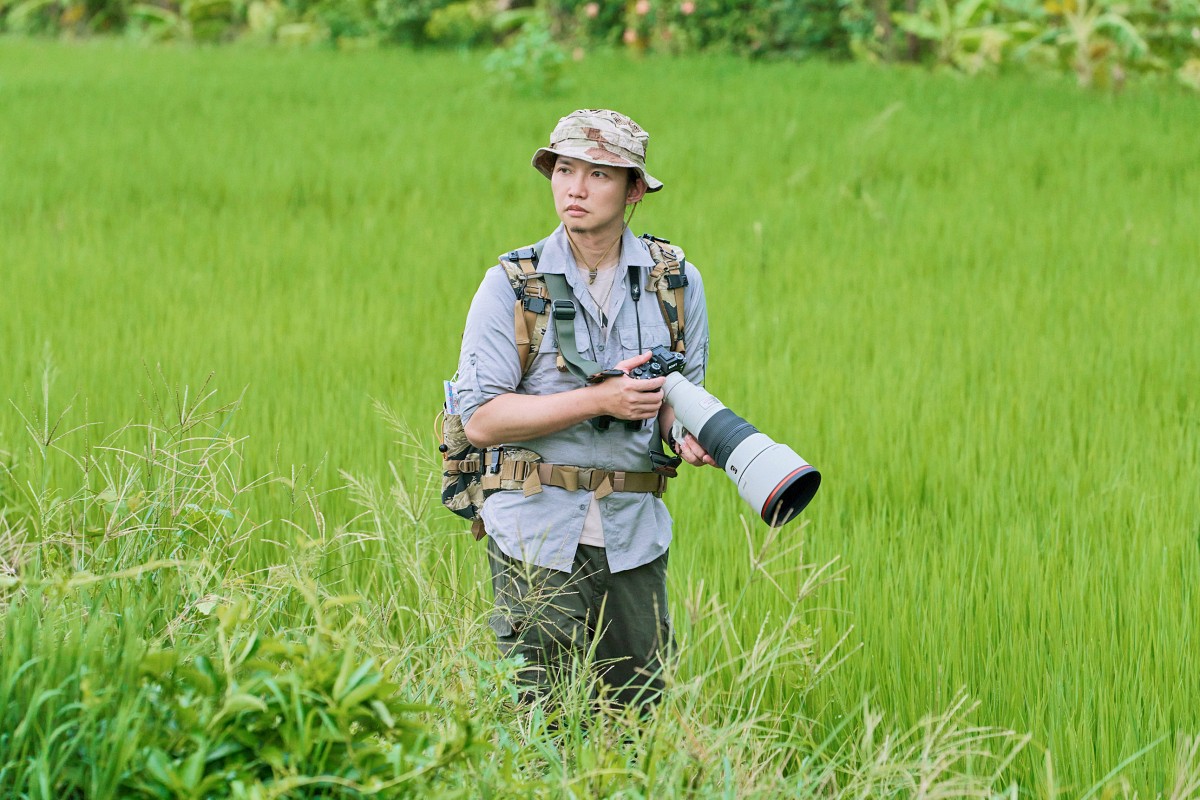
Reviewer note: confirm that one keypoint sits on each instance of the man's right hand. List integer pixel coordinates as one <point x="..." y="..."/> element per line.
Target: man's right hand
<point x="631" y="398"/>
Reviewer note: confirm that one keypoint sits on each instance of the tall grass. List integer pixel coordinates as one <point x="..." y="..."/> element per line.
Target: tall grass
<point x="144" y="655"/>
<point x="970" y="305"/>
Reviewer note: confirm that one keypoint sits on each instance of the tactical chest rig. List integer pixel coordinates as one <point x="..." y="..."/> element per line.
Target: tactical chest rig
<point x="471" y="474"/>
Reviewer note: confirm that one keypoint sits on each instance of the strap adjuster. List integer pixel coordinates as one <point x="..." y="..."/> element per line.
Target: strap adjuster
<point x="564" y="310"/>
<point x="537" y="305"/>
<point x="676" y="281"/>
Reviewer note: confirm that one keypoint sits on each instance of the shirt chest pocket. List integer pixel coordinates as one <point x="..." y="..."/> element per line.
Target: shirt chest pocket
<point x="653" y="334"/>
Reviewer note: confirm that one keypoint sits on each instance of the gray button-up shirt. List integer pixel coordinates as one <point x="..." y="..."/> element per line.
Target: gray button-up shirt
<point x="544" y="529"/>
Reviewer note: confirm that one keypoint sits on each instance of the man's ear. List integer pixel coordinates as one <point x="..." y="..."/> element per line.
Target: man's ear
<point x="636" y="191"/>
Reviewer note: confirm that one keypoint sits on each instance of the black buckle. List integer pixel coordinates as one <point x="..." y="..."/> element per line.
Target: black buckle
<point x="676" y="281"/>
<point x="537" y="305"/>
<point x="564" y="310"/>
<point x="524" y="253"/>
<point x="664" y="464"/>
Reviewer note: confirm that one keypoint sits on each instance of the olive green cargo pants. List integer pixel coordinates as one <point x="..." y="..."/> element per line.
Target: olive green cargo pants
<point x="549" y="616"/>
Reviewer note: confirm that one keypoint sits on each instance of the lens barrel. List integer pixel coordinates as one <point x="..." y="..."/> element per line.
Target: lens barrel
<point x="770" y="476"/>
<point x="722" y="433"/>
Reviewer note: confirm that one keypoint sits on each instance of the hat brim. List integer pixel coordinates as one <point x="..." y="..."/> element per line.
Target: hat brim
<point x="543" y="162"/>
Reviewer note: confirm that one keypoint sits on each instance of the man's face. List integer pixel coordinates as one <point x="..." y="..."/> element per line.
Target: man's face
<point x="591" y="198"/>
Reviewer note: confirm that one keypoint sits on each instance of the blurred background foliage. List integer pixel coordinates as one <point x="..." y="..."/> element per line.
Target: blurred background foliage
<point x="1101" y="42"/>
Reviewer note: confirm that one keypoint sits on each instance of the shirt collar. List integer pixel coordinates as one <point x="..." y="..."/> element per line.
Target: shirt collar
<point x="557" y="257"/>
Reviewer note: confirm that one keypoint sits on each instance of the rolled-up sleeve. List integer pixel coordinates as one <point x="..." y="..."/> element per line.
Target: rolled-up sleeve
<point x="695" y="320"/>
<point x="488" y="365"/>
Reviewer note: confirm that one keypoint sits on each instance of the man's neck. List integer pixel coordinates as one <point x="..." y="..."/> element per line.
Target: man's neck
<point x="596" y="249"/>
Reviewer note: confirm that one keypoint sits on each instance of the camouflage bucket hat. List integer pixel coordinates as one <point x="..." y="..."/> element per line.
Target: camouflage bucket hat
<point x="598" y="136"/>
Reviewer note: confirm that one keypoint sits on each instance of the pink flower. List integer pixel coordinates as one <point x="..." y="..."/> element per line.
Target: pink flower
<point x="687" y="7"/>
<point x="630" y="36"/>
<point x="642" y="8"/>
<point x="592" y="10"/>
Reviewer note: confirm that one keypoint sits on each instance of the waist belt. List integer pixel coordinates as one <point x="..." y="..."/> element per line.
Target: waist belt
<point x="532" y="476"/>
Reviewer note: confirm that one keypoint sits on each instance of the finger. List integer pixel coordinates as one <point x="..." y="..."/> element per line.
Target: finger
<point x="702" y="455"/>
<point x="649" y="384"/>
<point x="646" y="411"/>
<point x="633" y="361"/>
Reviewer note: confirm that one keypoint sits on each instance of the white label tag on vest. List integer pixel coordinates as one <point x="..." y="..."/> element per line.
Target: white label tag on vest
<point x="451" y="398"/>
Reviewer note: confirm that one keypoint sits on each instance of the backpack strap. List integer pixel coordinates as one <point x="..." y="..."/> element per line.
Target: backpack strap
<point x="531" y="313"/>
<point x="667" y="281"/>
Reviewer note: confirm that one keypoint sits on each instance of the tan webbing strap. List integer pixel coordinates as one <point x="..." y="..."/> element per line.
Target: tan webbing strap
<point x="680" y="346"/>
<point x="565" y="476"/>
<point x="667" y="264"/>
<point x="604" y="489"/>
<point x="602" y="482"/>
<point x="467" y="465"/>
<point x="521" y="333"/>
<point x="535" y="287"/>
<point x="511" y="470"/>
<point x="529" y="326"/>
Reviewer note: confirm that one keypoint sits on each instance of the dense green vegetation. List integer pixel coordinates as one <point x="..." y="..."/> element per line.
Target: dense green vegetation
<point x="1101" y="41"/>
<point x="970" y="305"/>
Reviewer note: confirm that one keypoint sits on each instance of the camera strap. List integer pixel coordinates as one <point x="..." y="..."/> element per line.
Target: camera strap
<point x="562" y="311"/>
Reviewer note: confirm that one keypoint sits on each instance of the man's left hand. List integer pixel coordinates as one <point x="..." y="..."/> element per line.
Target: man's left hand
<point x="693" y="453"/>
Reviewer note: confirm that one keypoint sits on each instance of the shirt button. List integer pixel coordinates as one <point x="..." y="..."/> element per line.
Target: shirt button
<point x="600" y="347"/>
<point x="583" y="506"/>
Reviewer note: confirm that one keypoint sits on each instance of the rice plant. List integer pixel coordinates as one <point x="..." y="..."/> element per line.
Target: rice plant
<point x="970" y="305"/>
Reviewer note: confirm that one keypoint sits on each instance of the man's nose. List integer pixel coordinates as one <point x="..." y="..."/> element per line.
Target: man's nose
<point x="578" y="185"/>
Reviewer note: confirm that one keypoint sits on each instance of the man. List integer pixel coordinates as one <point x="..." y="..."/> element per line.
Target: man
<point x="578" y="566"/>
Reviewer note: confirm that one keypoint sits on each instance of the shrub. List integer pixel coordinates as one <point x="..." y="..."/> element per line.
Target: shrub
<point x="532" y="62"/>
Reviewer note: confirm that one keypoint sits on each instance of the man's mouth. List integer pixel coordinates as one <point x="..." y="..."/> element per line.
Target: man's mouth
<point x="576" y="210"/>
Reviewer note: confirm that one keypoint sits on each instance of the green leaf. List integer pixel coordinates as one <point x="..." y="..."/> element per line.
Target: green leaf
<point x="208" y="681"/>
<point x="351" y="686"/>
<point x="159" y="662"/>
<point x="917" y="26"/>
<point x="965" y="12"/>
<point x="236" y="704"/>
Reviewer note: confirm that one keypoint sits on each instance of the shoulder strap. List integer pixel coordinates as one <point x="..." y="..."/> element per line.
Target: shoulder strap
<point x="667" y="281"/>
<point x="531" y="313"/>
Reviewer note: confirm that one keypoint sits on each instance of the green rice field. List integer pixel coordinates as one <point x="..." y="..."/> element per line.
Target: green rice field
<point x="972" y="304"/>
